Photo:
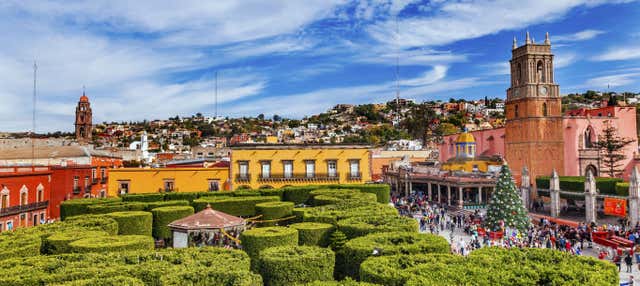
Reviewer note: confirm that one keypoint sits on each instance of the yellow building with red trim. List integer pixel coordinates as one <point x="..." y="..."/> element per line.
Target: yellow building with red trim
<point x="152" y="180"/>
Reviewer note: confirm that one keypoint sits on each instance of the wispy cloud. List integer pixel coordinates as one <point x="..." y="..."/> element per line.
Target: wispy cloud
<point x="615" y="80"/>
<point x="576" y="37"/>
<point x="619" y="54"/>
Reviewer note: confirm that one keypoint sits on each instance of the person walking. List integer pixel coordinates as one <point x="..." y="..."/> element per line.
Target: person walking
<point x="617" y="260"/>
<point x="628" y="261"/>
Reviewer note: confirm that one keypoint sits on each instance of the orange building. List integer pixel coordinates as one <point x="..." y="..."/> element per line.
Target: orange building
<point x="534" y="133"/>
<point x="24" y="196"/>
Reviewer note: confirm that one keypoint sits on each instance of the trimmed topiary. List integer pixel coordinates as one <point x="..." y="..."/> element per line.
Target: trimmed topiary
<point x="363" y="225"/>
<point x="149" y="197"/>
<point x="351" y="197"/>
<point x="237" y="206"/>
<point x="178" y="196"/>
<point x="334" y="213"/>
<point x="19" y="245"/>
<point x="345" y="282"/>
<point x="272" y="192"/>
<point x="112" y="243"/>
<point x="79" y="206"/>
<point x="130" y="223"/>
<point x="153" y="205"/>
<point x="257" y="239"/>
<point x="313" y="233"/>
<point x="287" y="265"/>
<point x="274" y="210"/>
<point x="105" y="281"/>
<point x="116" y="207"/>
<point x="59" y="243"/>
<point x="357" y="250"/>
<point x="298" y="195"/>
<point x="91" y="222"/>
<point x="163" y="216"/>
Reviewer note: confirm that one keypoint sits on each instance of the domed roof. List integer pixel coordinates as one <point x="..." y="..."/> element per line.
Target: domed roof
<point x="84" y="98"/>
<point x="465" y="138"/>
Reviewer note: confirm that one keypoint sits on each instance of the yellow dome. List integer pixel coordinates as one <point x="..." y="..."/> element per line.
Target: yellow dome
<point x="465" y="138"/>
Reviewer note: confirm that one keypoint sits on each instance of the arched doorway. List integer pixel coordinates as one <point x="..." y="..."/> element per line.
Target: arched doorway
<point x="593" y="169"/>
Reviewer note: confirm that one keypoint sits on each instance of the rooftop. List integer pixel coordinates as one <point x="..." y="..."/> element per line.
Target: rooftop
<point x="207" y="219"/>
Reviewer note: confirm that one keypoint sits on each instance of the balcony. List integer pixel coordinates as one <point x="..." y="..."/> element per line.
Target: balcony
<point x="299" y="177"/>
<point x="24" y="208"/>
<point x="243" y="178"/>
<point x="104" y="180"/>
<point x="167" y="190"/>
<point x="354" y="176"/>
<point x="76" y="190"/>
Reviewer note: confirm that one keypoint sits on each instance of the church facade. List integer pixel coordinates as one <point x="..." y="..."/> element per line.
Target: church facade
<point x="537" y="134"/>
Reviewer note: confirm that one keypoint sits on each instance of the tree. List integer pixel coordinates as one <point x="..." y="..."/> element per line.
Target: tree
<point x="419" y="121"/>
<point x="610" y="145"/>
<point x="505" y="207"/>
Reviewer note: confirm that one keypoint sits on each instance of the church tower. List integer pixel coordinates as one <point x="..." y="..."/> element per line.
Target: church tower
<point x="83" y="120"/>
<point x="533" y="129"/>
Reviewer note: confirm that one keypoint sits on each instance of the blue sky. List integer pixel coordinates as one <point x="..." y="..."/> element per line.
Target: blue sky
<point x="155" y="59"/>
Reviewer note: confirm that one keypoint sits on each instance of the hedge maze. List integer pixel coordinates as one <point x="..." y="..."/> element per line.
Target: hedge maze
<point x="341" y="235"/>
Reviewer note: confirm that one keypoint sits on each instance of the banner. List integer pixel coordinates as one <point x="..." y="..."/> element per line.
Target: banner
<point x="615" y="207"/>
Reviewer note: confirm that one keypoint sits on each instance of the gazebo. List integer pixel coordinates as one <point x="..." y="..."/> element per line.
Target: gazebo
<point x="207" y="227"/>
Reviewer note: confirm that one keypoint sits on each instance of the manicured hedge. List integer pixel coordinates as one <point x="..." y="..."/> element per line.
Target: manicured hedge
<point x="287" y="265"/>
<point x="104" y="281"/>
<point x="333" y="214"/>
<point x="116" y="207"/>
<point x="13" y="245"/>
<point x="622" y="189"/>
<point x="313" y="233"/>
<point x="347" y="198"/>
<point x="357" y="250"/>
<point x="346" y="282"/>
<point x="79" y="206"/>
<point x="112" y="243"/>
<point x="237" y="206"/>
<point x="177" y="196"/>
<point x="150" y="197"/>
<point x="576" y="184"/>
<point x="59" y="243"/>
<point x="361" y="226"/>
<point x="299" y="213"/>
<point x="257" y="239"/>
<point x="163" y="216"/>
<point x="91" y="222"/>
<point x="188" y="266"/>
<point x="490" y="266"/>
<point x="274" y="210"/>
<point x="272" y="192"/>
<point x="137" y="222"/>
<point x="298" y="195"/>
<point x="246" y="193"/>
<point x="382" y="191"/>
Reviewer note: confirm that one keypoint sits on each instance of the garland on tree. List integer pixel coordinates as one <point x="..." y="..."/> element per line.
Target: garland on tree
<point x="505" y="207"/>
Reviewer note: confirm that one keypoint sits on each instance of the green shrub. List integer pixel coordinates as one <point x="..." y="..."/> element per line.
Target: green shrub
<point x="59" y="243"/>
<point x="153" y="205"/>
<point x="79" y="206"/>
<point x="178" y="196"/>
<point x="287" y="265"/>
<point x="313" y="233"/>
<point x="622" y="189"/>
<point x="237" y="206"/>
<point x="272" y="193"/>
<point x="105" y="281"/>
<point x="363" y="225"/>
<point x="130" y="223"/>
<point x="203" y="276"/>
<point x="116" y="207"/>
<point x="112" y="243"/>
<point x="346" y="282"/>
<point x="163" y="216"/>
<point x="246" y="193"/>
<point x="298" y="195"/>
<point x="348" y="198"/>
<point x="149" y="197"/>
<point x="382" y="191"/>
<point x="299" y="213"/>
<point x="91" y="222"/>
<point x="333" y="214"/>
<point x="274" y="210"/>
<point x="357" y="250"/>
<point x="19" y="245"/>
<point x="257" y="239"/>
<point x="576" y="184"/>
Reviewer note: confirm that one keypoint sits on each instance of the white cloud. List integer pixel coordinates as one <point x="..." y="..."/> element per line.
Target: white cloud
<point x="564" y="59"/>
<point x="576" y="37"/>
<point x="616" y="80"/>
<point x="619" y="54"/>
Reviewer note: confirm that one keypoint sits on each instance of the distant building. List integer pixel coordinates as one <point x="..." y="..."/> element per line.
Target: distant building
<point x="24" y="196"/>
<point x="466" y="159"/>
<point x="83" y="124"/>
<point x="153" y="180"/>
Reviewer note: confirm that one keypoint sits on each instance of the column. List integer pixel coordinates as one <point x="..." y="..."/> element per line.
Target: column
<point x="406" y="184"/>
<point x="438" y="193"/>
<point x="410" y="187"/>
<point x="460" y="197"/>
<point x="448" y="194"/>
<point x="590" y="198"/>
<point x="524" y="188"/>
<point x="429" y="191"/>
<point x="634" y="197"/>
<point x="480" y="195"/>
<point x="554" y="189"/>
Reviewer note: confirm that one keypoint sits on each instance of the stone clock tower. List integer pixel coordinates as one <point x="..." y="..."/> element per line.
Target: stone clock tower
<point x="533" y="130"/>
<point x="83" y="123"/>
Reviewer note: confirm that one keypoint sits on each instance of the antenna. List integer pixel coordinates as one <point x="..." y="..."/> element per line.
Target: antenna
<point x="33" y="118"/>
<point x="397" y="121"/>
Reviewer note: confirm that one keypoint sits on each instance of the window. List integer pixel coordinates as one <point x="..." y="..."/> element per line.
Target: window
<point x="544" y="109"/>
<point x="24" y="196"/>
<point x="168" y="185"/>
<point x="519" y="72"/>
<point x="86" y="181"/>
<point x="93" y="173"/>
<point x="103" y="194"/>
<point x="266" y="169"/>
<point x="40" y="195"/>
<point x="354" y="168"/>
<point x="310" y="168"/>
<point x="76" y="180"/>
<point x="516" y="111"/>
<point x="199" y="154"/>
<point x="42" y="218"/>
<point x="214" y="185"/>
<point x="1" y="226"/>
<point x="35" y="219"/>
<point x="10" y="225"/>
<point x="540" y="72"/>
<point x="332" y="168"/>
<point x="287" y="168"/>
<point x="243" y="166"/>
<point x="103" y="173"/>
<point x="123" y="187"/>
<point x="4" y="199"/>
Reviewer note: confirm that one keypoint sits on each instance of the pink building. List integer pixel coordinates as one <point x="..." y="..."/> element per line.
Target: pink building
<point x="581" y="128"/>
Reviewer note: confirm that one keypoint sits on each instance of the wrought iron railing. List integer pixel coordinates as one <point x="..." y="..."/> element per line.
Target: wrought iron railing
<point x="23" y="208"/>
<point x="243" y="177"/>
<point x="282" y="177"/>
<point x="354" y="176"/>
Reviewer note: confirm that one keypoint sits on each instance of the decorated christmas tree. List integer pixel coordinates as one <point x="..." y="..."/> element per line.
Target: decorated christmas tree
<point x="505" y="207"/>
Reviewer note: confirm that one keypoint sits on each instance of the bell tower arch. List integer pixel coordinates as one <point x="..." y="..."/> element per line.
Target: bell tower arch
<point x="83" y="124"/>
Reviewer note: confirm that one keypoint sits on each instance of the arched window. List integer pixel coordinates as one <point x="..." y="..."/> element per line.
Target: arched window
<point x="519" y="74"/>
<point x="544" y="109"/>
<point x="589" y="137"/>
<point x="516" y="111"/>
<point x="540" y="72"/>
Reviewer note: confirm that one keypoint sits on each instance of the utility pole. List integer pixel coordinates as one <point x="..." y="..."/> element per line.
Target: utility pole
<point x="215" y="99"/>
<point x="33" y="118"/>
<point x="397" y="119"/>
